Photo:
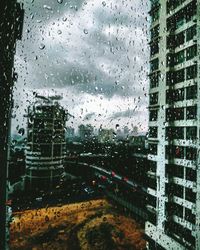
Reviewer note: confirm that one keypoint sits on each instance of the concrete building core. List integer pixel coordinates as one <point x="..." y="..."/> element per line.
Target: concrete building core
<point x="174" y="123"/>
<point x="45" y="144"/>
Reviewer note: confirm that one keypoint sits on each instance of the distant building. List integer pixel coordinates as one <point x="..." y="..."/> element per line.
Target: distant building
<point x="45" y="144"/>
<point x="106" y="135"/>
<point x="135" y="131"/>
<point x="126" y="131"/>
<point x="119" y="134"/>
<point x="69" y="133"/>
<point x="86" y="132"/>
<point x="139" y="140"/>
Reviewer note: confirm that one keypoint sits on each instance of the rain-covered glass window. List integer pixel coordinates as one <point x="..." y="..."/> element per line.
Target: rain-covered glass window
<point x="99" y="125"/>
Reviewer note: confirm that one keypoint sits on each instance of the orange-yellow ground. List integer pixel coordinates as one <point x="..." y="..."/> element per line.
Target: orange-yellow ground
<point x="92" y="225"/>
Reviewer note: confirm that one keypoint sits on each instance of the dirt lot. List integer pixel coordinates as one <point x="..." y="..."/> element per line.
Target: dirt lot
<point x="92" y="225"/>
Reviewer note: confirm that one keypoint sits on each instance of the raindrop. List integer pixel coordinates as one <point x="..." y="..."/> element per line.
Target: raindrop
<point x="59" y="32"/>
<point x="85" y="31"/>
<point x="42" y="46"/>
<point x="60" y="1"/>
<point x="47" y="7"/>
<point x="104" y="3"/>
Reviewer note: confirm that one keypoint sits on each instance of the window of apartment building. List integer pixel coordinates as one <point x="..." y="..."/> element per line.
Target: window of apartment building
<point x="153" y="149"/>
<point x="154" y="48"/>
<point x="173" y="77"/>
<point x="155" y="14"/>
<point x="191" y="174"/>
<point x="155" y="32"/>
<point x="58" y="136"/>
<point x="178" y="210"/>
<point x="154" y="80"/>
<point x="152" y="183"/>
<point x="191" y="153"/>
<point x="191" y="133"/>
<point x="154" y="64"/>
<point x="191" y="112"/>
<point x="152" y="166"/>
<point x="191" y="52"/>
<point x="170" y="60"/>
<point x="170" y="42"/>
<point x="179" y="75"/>
<point x="173" y="170"/>
<point x="176" y="190"/>
<point x="170" y="78"/>
<point x="151" y="200"/>
<point x="174" y="133"/>
<point x="190" y="195"/>
<point x="42" y="137"/>
<point x="191" y="72"/>
<point x="182" y="16"/>
<point x="169" y="114"/>
<point x="153" y="115"/>
<point x="174" y="114"/>
<point x="45" y="150"/>
<point x="179" y="39"/>
<point x="178" y="114"/>
<point x="179" y="57"/>
<point x="153" y="132"/>
<point x="174" y="41"/>
<point x="173" y="4"/>
<point x="190" y="10"/>
<point x="178" y="152"/>
<point x="191" y="92"/>
<point x="179" y="18"/>
<point x="57" y="150"/>
<point x="153" y="98"/>
<point x="174" y="95"/>
<point x="189" y="216"/>
<point x="178" y="94"/>
<point x="174" y="151"/>
<point x="191" y="33"/>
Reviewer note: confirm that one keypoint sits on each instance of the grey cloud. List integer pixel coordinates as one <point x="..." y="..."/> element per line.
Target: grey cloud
<point x="88" y="62"/>
<point x="89" y="116"/>
<point x="129" y="113"/>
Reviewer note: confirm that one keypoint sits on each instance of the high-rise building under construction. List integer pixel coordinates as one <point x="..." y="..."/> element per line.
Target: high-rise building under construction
<point x="45" y="144"/>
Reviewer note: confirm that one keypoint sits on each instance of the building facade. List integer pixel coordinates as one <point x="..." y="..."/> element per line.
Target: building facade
<point x="11" y="23"/>
<point x="86" y="132"/>
<point x="106" y="135"/>
<point x="174" y="123"/>
<point x="45" y="144"/>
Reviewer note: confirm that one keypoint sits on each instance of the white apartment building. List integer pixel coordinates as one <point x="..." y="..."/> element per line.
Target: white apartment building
<point x="174" y="126"/>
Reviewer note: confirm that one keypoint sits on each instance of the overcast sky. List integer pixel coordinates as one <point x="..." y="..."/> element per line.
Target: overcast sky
<point x="92" y="52"/>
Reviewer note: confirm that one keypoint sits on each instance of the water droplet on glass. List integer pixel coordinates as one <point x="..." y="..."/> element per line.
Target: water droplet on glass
<point x="60" y="1"/>
<point x="47" y="7"/>
<point x="85" y="31"/>
<point x="104" y="3"/>
<point x="42" y="46"/>
<point x="59" y="32"/>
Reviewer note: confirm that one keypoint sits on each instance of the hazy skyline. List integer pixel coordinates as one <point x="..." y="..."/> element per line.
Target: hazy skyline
<point x="94" y="53"/>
